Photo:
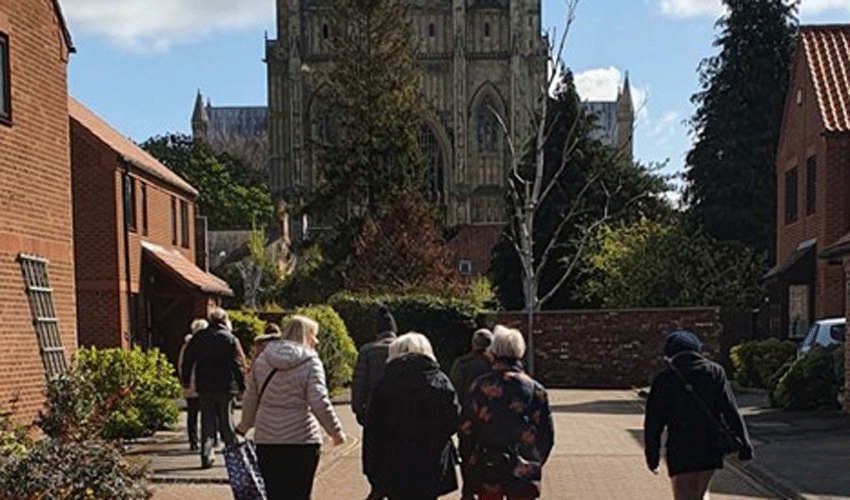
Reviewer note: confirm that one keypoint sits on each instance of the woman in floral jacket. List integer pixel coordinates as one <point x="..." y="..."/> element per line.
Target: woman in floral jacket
<point x="508" y="431"/>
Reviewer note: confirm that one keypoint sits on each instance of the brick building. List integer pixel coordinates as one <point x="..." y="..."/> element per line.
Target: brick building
<point x="37" y="311"/>
<point x="813" y="187"/>
<point x="134" y="227"/>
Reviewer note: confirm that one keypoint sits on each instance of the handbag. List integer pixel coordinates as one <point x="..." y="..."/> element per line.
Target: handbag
<point x="493" y="465"/>
<point x="243" y="469"/>
<point x="727" y="442"/>
<point x="448" y="469"/>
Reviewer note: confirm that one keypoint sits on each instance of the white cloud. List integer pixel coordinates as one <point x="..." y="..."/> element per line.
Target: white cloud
<point x="157" y="24"/>
<point x="812" y="7"/>
<point x="602" y="84"/>
<point x="691" y="8"/>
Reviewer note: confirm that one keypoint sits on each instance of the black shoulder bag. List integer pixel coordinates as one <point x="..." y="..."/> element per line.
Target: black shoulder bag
<point x="727" y="441"/>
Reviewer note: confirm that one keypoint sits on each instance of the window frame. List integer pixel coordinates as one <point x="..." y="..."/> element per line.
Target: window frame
<point x="184" y="224"/>
<point x="5" y="81"/>
<point x="143" y="201"/>
<point x="174" y="220"/>
<point x="791" y="200"/>
<point x="128" y="195"/>
<point x="811" y="184"/>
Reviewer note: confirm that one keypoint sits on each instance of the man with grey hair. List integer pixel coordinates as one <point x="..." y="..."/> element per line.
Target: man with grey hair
<point x="463" y="373"/>
<point x="216" y="357"/>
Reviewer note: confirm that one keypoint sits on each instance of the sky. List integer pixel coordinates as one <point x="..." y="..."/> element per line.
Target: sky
<point x="140" y="63"/>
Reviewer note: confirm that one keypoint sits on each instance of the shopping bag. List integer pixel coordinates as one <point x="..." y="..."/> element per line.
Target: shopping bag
<point x="243" y="472"/>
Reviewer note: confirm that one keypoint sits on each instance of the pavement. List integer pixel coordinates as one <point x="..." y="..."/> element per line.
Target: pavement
<point x="597" y="455"/>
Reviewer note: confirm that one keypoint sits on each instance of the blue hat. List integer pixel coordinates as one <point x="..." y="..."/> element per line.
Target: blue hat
<point x="679" y="341"/>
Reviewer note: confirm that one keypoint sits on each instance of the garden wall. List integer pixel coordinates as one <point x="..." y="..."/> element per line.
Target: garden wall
<point x="609" y="348"/>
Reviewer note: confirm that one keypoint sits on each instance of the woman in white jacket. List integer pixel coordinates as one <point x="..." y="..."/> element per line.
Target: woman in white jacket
<point x="287" y="413"/>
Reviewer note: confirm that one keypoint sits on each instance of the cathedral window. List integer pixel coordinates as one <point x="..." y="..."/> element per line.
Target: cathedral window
<point x="325" y="31"/>
<point x="487" y="29"/>
<point x="431" y="30"/>
<point x="433" y="162"/>
<point x="487" y="127"/>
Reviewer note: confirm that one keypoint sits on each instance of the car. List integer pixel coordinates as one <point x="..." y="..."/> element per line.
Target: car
<point x="824" y="332"/>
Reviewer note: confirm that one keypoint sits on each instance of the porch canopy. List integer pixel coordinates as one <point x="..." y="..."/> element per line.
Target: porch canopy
<point x="178" y="266"/>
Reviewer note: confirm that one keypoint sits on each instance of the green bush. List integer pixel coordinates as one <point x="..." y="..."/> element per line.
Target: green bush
<point x="14" y="438"/>
<point x="756" y="363"/>
<point x="447" y="322"/>
<point x="246" y="327"/>
<point x="112" y="393"/>
<point x="336" y="349"/>
<point x="71" y="470"/>
<point x="812" y="382"/>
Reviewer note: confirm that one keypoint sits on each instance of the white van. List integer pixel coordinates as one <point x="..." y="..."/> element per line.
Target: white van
<point x="824" y="332"/>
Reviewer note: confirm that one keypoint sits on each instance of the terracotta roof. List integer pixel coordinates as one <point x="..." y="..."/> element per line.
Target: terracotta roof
<point x="827" y="52"/>
<point x="184" y="270"/>
<point x="128" y="150"/>
<point x="474" y="243"/>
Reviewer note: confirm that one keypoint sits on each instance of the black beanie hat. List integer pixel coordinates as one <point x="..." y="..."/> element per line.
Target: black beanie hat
<point x="386" y="322"/>
<point x="680" y="341"/>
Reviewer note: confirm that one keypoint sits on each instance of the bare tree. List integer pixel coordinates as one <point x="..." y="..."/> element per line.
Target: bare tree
<point x="529" y="187"/>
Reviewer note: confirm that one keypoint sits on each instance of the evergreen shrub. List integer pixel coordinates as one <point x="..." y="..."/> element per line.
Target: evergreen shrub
<point x="336" y="348"/>
<point x="71" y="470"/>
<point x="756" y="363"/>
<point x="447" y="322"/>
<point x="112" y="394"/>
<point x="812" y="382"/>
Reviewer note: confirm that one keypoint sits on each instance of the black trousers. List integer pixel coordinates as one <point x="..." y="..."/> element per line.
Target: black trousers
<point x="288" y="469"/>
<point x="216" y="410"/>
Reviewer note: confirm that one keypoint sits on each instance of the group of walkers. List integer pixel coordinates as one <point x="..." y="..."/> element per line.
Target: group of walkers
<point x="411" y="411"/>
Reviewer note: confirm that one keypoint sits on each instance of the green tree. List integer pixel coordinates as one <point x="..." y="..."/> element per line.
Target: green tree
<point x="369" y="118"/>
<point x="730" y="169"/>
<point x="230" y="194"/>
<point x="670" y="264"/>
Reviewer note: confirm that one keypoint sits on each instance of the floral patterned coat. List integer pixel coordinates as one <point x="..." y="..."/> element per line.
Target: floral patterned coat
<point x="508" y="409"/>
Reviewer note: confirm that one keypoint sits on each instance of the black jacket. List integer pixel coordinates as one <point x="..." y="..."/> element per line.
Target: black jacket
<point x="368" y="370"/>
<point x="217" y="362"/>
<point x="465" y="370"/>
<point x="691" y="435"/>
<point x="411" y="419"/>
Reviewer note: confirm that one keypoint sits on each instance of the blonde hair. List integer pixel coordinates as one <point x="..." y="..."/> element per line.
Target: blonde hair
<point x="299" y="329"/>
<point x="410" y="343"/>
<point x="507" y="343"/>
<point x="219" y="316"/>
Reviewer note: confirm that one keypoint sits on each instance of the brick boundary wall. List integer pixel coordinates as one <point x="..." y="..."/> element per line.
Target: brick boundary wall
<point x="609" y="348"/>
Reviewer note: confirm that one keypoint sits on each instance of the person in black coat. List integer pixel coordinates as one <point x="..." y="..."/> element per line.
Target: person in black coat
<point x="693" y="452"/>
<point x="412" y="415"/>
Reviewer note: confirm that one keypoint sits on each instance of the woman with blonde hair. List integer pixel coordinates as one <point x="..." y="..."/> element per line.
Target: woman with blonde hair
<point x="287" y="403"/>
<point x="411" y="418"/>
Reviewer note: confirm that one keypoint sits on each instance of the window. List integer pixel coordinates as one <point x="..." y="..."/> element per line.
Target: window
<point x="173" y="220"/>
<point x="465" y="267"/>
<point x="43" y="314"/>
<point x="325" y="31"/>
<point x="486" y="127"/>
<point x="791" y="196"/>
<point x="432" y="32"/>
<point x="184" y="224"/>
<point x="487" y="29"/>
<point x="143" y="195"/>
<point x="129" y="187"/>
<point x="433" y="162"/>
<point x="5" y="90"/>
<point x="811" y="185"/>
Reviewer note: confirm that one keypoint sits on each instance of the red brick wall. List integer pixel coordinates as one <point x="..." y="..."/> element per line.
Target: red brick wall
<point x="35" y="197"/>
<point x="609" y="348"/>
<point x="102" y="280"/>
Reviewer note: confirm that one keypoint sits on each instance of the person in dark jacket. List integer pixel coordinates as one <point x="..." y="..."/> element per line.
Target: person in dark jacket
<point x="692" y="450"/>
<point x="218" y="362"/>
<point x="368" y="370"/>
<point x="412" y="416"/>
<point x="464" y="371"/>
<point x="507" y="431"/>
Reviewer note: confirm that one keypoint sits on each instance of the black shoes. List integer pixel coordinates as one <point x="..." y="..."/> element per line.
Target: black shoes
<point x="206" y="463"/>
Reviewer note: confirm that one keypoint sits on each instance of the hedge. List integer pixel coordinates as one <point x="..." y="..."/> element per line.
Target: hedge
<point x="812" y="382"/>
<point x="447" y="322"/>
<point x="246" y="327"/>
<point x="756" y="363"/>
<point x="336" y="348"/>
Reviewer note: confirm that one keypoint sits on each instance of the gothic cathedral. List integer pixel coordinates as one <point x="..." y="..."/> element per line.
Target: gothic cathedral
<point x="477" y="55"/>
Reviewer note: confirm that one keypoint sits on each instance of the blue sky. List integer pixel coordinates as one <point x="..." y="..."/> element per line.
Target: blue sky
<point x="139" y="63"/>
